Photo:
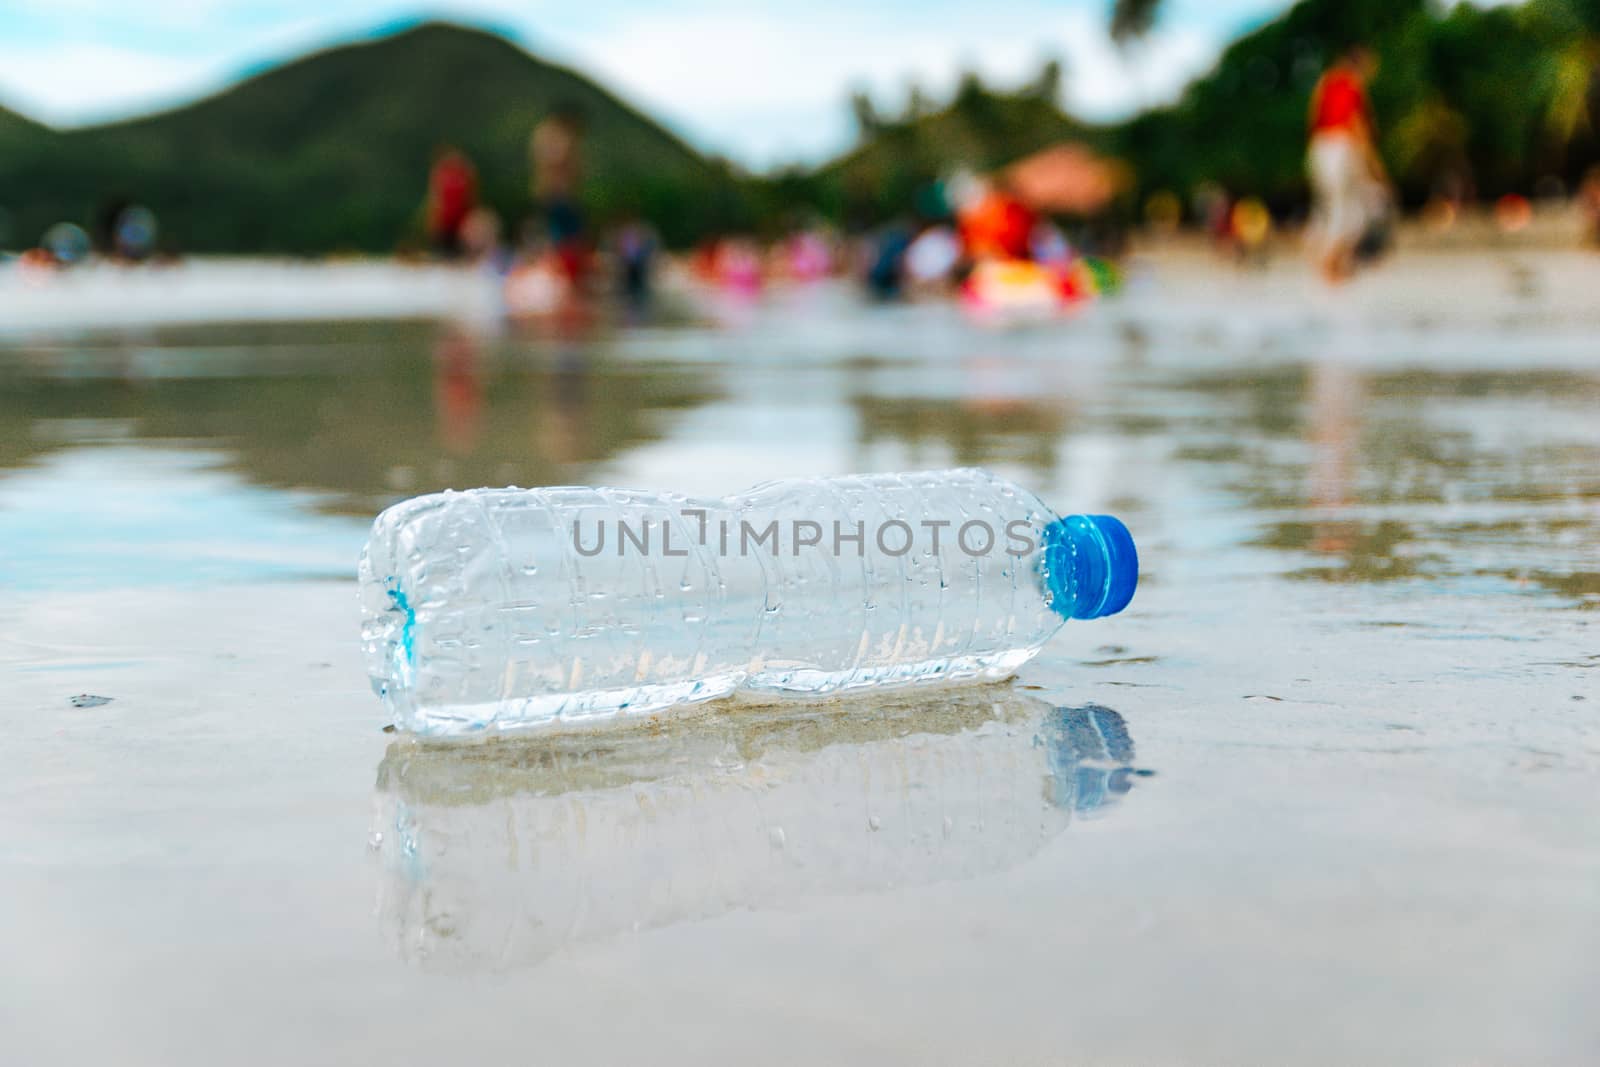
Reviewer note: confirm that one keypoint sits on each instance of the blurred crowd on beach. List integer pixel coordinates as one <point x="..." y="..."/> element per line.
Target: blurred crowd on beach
<point x="1039" y="235"/>
<point x="1001" y="201"/>
<point x="989" y="240"/>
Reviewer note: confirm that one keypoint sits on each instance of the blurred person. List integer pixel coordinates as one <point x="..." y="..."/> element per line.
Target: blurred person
<point x="36" y="262"/>
<point x="1448" y="200"/>
<point x="932" y="259"/>
<point x="886" y="261"/>
<point x="135" y="234"/>
<point x="1219" y="224"/>
<point x="1163" y="212"/>
<point x="1251" y="225"/>
<point x="1589" y="204"/>
<point x="556" y="159"/>
<point x="66" y="244"/>
<point x="995" y="225"/>
<point x="124" y="232"/>
<point x="1048" y="244"/>
<point x="1212" y="208"/>
<point x="452" y="195"/>
<point x="1348" y="182"/>
<point x="480" y="240"/>
<point x="731" y="263"/>
<point x="636" y="245"/>
<point x="1513" y="213"/>
<point x="1439" y="214"/>
<point x="808" y="256"/>
<point x="703" y="259"/>
<point x="740" y="266"/>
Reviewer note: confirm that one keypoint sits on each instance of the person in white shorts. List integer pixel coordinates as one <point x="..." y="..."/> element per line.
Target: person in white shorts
<point x="1348" y="185"/>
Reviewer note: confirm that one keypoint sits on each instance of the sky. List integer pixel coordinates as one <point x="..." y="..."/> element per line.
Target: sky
<point x="762" y="83"/>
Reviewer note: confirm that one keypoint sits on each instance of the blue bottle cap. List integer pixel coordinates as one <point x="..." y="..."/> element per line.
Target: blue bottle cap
<point x="1091" y="566"/>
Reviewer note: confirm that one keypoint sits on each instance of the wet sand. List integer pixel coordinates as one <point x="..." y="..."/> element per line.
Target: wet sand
<point x="1324" y="793"/>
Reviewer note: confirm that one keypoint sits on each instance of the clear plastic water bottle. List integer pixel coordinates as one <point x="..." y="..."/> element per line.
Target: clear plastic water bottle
<point x="504" y="608"/>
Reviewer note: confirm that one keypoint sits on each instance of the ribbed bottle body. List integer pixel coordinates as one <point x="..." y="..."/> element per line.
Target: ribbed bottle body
<point x="498" y="608"/>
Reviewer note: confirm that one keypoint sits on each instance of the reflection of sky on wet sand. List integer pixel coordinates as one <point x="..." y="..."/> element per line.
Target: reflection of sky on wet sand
<point x="1361" y="664"/>
<point x="1361" y="473"/>
<point x="1358" y="465"/>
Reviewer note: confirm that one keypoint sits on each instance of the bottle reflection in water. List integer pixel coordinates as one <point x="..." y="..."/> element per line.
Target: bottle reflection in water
<point x="496" y="855"/>
<point x="1091" y="756"/>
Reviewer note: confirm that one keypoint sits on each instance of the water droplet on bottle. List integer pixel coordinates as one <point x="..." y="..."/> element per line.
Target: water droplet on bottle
<point x="775" y="837"/>
<point x="873" y="822"/>
<point x="375" y="840"/>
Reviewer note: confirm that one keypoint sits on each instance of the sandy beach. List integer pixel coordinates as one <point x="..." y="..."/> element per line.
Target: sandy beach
<point x="1342" y="750"/>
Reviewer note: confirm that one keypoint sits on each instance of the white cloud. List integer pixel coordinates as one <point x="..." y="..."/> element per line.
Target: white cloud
<point x="88" y="81"/>
<point x="83" y="82"/>
<point x="756" y="87"/>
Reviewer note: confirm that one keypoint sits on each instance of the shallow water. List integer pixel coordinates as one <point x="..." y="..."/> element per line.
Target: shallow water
<point x="1326" y="791"/>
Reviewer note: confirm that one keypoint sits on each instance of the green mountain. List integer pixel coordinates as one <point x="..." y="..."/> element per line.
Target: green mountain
<point x="19" y="135"/>
<point x="20" y="140"/>
<point x="332" y="150"/>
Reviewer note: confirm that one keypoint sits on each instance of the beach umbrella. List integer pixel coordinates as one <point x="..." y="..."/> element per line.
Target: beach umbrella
<point x="1066" y="178"/>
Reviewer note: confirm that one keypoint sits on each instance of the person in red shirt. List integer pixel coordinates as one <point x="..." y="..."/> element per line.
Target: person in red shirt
<point x="996" y="226"/>
<point x="1348" y="184"/>
<point x="452" y="194"/>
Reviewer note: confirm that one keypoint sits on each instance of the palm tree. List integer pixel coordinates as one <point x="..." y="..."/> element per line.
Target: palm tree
<point x="1132" y="19"/>
<point x="1573" y="78"/>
